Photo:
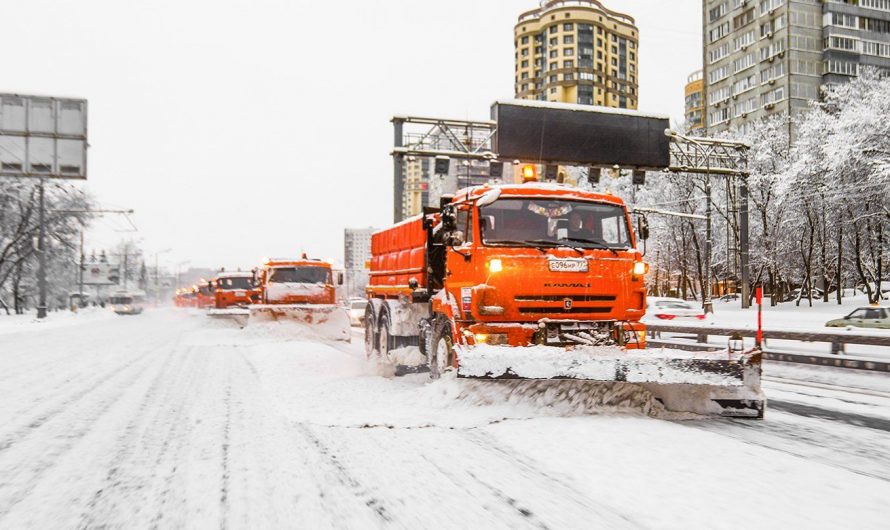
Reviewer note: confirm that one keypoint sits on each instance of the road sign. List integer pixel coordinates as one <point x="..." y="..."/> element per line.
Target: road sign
<point x="101" y="274"/>
<point x="44" y="137"/>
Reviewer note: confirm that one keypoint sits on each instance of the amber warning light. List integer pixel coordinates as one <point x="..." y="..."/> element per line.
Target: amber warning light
<point x="529" y="173"/>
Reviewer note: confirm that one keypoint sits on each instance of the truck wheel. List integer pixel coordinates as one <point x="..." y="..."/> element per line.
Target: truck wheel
<point x="384" y="339"/>
<point x="441" y="354"/>
<point x="370" y="338"/>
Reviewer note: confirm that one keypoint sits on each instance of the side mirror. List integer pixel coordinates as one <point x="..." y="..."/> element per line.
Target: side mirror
<point x="643" y="228"/>
<point x="456" y="239"/>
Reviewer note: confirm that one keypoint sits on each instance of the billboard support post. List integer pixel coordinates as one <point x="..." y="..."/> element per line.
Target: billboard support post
<point x="41" y="252"/>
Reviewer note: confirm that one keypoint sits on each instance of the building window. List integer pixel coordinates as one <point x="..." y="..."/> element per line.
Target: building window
<point x="524" y="52"/>
<point x="568" y="26"/>
<point x="568" y="77"/>
<point x="554" y="41"/>
<point x="568" y="39"/>
<point x="554" y="29"/>
<point x="552" y="66"/>
<point x="524" y="40"/>
<point x="553" y="90"/>
<point x="568" y="64"/>
<point x="525" y="64"/>
<point x="554" y="54"/>
<point x="568" y="52"/>
<point x="553" y="79"/>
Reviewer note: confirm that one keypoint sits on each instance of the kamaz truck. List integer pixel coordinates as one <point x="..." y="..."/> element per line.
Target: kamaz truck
<point x="537" y="281"/>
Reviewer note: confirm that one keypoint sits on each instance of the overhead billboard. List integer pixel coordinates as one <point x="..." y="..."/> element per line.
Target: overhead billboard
<point x="580" y="135"/>
<point x="43" y="137"/>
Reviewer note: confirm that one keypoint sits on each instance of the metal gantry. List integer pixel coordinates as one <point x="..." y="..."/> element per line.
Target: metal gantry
<point x="473" y="140"/>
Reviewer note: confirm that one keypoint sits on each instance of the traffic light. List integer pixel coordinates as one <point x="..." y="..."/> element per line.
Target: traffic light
<point x="442" y="164"/>
<point x="496" y="170"/>
<point x="593" y="175"/>
<point x="639" y="177"/>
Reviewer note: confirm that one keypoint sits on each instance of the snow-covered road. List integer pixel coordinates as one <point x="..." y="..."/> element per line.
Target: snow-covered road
<point x="168" y="419"/>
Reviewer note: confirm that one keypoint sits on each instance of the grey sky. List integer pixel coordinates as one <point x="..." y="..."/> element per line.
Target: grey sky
<point x="238" y="130"/>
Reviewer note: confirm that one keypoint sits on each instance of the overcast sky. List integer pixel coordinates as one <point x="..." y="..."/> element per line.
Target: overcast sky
<point x="238" y="130"/>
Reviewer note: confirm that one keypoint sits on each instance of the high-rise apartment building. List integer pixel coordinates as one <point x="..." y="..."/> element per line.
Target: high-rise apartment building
<point x="768" y="57"/>
<point x="577" y="51"/>
<point x="695" y="103"/>
<point x="356" y="252"/>
<point x="416" y="189"/>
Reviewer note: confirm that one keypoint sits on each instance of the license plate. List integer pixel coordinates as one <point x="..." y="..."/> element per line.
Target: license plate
<point x="568" y="265"/>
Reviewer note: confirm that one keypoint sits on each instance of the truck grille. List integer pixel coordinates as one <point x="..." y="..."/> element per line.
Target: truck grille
<point x="560" y="298"/>
<point x="563" y="310"/>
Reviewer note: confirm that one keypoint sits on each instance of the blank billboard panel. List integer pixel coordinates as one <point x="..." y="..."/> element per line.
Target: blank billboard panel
<point x="580" y="135"/>
<point x="43" y="137"/>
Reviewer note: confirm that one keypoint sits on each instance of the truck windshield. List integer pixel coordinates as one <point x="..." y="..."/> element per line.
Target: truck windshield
<point x="234" y="283"/>
<point x="300" y="275"/>
<point x="537" y="222"/>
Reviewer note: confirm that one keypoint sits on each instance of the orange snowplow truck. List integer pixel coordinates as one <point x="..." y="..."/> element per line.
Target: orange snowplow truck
<point x="517" y="265"/>
<point x="533" y="281"/>
<point x="302" y="291"/>
<point x="233" y="289"/>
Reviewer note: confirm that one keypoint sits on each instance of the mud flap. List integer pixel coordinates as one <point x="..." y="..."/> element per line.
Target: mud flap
<point x="700" y="383"/>
<point x="328" y="322"/>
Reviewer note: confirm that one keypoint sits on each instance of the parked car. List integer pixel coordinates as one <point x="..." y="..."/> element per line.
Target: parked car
<point x="357" y="311"/>
<point x="673" y="308"/>
<point x="864" y="317"/>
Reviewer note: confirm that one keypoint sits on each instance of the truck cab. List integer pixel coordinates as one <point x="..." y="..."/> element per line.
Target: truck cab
<point x="233" y="289"/>
<point x="296" y="281"/>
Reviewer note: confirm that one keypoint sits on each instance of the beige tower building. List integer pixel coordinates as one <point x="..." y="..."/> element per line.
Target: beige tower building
<point x="577" y="51"/>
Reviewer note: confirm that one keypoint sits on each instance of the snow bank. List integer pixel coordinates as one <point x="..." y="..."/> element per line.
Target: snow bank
<point x="58" y="319"/>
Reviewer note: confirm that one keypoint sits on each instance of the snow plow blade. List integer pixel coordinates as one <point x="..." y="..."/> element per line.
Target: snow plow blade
<point x="696" y="382"/>
<point x="239" y="315"/>
<point x="328" y="322"/>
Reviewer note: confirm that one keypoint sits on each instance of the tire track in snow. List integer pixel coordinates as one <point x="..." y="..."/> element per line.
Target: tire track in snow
<point x="485" y="441"/>
<point x="801" y="442"/>
<point x="137" y="453"/>
<point x="75" y="427"/>
<point x="320" y="460"/>
<point x="69" y="400"/>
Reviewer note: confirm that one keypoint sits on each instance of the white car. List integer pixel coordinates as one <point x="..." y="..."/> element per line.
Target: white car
<point x="673" y="309"/>
<point x="357" y="311"/>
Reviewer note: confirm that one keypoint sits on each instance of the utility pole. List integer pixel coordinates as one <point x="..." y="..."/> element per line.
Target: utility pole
<point x="707" y="303"/>
<point x="41" y="253"/>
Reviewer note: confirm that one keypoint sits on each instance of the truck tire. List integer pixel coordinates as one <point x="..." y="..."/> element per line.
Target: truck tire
<point x="385" y="340"/>
<point x="370" y="332"/>
<point x="441" y="351"/>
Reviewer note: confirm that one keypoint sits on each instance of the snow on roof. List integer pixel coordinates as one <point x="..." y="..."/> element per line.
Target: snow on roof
<point x="235" y="274"/>
<point x="580" y="108"/>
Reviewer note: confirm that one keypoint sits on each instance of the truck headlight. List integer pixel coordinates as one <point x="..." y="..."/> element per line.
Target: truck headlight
<point x="495" y="339"/>
<point x="495" y="265"/>
<point x="640" y="268"/>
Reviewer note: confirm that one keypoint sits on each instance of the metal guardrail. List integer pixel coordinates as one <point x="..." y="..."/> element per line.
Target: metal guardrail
<point x="837" y="339"/>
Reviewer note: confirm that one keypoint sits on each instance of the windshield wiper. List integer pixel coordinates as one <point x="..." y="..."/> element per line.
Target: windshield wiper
<point x="512" y="242"/>
<point x="599" y="244"/>
<point x="555" y="244"/>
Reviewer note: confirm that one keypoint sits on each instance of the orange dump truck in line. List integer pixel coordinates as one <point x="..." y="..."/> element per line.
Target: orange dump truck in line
<point x="535" y="281"/>
<point x="233" y="289"/>
<point x="302" y="290"/>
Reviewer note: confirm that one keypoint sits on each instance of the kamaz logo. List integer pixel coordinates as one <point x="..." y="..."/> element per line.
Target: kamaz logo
<point x="567" y="304"/>
<point x="568" y="285"/>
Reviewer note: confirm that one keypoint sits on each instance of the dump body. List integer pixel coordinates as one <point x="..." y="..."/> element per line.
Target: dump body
<point x="532" y="281"/>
